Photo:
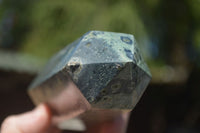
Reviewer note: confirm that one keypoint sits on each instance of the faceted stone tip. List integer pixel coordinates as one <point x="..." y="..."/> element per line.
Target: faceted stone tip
<point x="107" y="68"/>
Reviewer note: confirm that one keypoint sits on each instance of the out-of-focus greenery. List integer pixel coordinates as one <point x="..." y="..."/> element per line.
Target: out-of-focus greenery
<point x="167" y="31"/>
<point x="195" y="9"/>
<point x="14" y="22"/>
<point x="54" y="24"/>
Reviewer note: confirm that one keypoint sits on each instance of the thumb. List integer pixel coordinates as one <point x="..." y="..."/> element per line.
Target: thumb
<point x="36" y="121"/>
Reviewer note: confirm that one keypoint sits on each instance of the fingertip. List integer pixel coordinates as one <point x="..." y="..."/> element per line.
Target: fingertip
<point x="8" y="125"/>
<point x="42" y="113"/>
<point x="35" y="121"/>
<point x="38" y="120"/>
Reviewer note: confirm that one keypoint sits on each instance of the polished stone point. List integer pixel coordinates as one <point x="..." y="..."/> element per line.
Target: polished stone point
<point x="106" y="67"/>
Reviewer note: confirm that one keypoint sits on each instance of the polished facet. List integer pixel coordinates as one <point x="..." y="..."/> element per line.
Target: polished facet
<point x="106" y="67"/>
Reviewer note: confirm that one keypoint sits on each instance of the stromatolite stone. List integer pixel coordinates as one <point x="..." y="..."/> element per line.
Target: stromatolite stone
<point x="107" y="67"/>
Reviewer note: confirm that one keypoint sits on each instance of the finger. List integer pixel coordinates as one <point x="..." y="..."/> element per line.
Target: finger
<point x="36" y="121"/>
<point x="118" y="125"/>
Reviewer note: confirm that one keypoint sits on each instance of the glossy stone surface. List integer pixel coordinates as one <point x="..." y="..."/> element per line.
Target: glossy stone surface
<point x="107" y="67"/>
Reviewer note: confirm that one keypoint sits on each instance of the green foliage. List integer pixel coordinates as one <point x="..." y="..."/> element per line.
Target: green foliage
<point x="42" y="27"/>
<point x="195" y="10"/>
<point x="57" y="23"/>
<point x="14" y="18"/>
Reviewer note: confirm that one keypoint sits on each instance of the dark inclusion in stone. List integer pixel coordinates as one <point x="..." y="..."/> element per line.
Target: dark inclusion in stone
<point x="107" y="67"/>
<point x="129" y="53"/>
<point x="126" y="40"/>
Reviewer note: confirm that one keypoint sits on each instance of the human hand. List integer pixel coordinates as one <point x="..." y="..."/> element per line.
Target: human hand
<point x="39" y="121"/>
<point x="35" y="121"/>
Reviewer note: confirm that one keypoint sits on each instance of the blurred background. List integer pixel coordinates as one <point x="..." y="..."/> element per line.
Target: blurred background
<point x="167" y="31"/>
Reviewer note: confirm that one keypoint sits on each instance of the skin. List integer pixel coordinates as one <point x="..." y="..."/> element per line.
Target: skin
<point x="39" y="121"/>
